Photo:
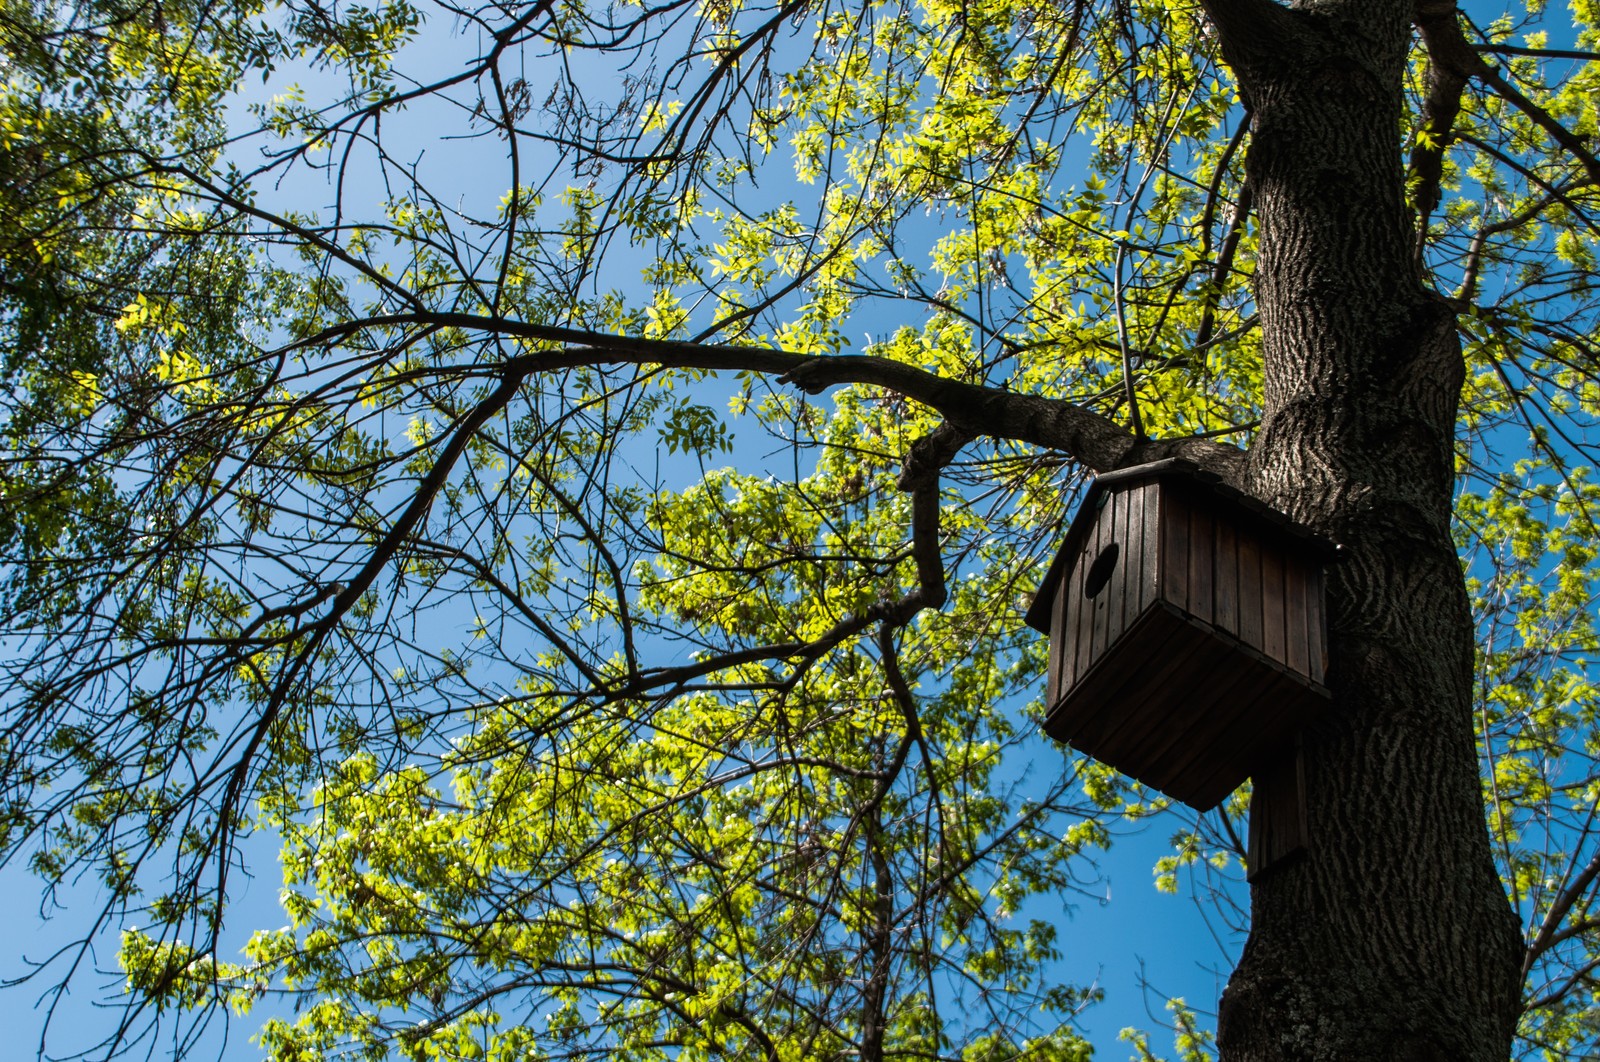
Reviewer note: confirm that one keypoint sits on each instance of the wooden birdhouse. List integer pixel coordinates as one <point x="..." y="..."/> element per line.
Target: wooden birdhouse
<point x="1187" y="635"/>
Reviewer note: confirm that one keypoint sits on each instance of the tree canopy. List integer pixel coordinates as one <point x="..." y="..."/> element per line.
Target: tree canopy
<point x="575" y="471"/>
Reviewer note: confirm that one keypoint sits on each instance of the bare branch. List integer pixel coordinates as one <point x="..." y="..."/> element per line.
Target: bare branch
<point x="1446" y="79"/>
<point x="975" y="410"/>
<point x="1453" y="61"/>
<point x="1559" y="910"/>
<point x="1538" y="53"/>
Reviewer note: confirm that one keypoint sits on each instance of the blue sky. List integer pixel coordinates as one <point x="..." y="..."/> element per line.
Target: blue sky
<point x="1123" y="935"/>
<point x="1134" y="932"/>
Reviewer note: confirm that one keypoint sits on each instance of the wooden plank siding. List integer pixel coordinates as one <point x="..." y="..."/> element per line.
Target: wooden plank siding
<point x="1225" y="578"/>
<point x="1316" y="621"/>
<point x="1172" y="572"/>
<point x="1056" y="678"/>
<point x="1278" y="818"/>
<point x="1276" y="706"/>
<point x="1274" y="609"/>
<point x="1189" y="723"/>
<point x="1202" y="564"/>
<point x="1164" y="716"/>
<point x="1251" y="607"/>
<point x="1220" y="707"/>
<point x="1200" y="652"/>
<point x="1297" y="621"/>
<point x="1099" y="626"/>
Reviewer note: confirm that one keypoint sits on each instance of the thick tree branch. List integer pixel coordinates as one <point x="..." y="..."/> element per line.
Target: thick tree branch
<point x="920" y="477"/>
<point x="1453" y="60"/>
<point x="1449" y="68"/>
<point x="974" y="410"/>
<point x="1255" y="34"/>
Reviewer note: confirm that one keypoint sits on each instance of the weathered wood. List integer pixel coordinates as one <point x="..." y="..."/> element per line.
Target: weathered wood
<point x="1110" y="713"/>
<point x="1172" y="576"/>
<point x="1274" y="623"/>
<point x="1186" y="632"/>
<point x="1248" y="555"/>
<point x="1099" y="628"/>
<point x="1125" y="576"/>
<point x="1279" y="830"/>
<point x="1281" y="706"/>
<point x="1192" y="765"/>
<point x="1149" y="533"/>
<point x="1297" y="620"/>
<point x="1074" y="654"/>
<point x="1055" y="678"/>
<point x="1225" y="577"/>
<point x="1202" y="563"/>
<point x="1317" y="625"/>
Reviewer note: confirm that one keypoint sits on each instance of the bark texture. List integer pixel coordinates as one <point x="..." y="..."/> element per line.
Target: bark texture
<point x="1394" y="940"/>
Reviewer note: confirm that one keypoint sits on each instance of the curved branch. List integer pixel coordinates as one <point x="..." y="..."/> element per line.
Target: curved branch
<point x="1456" y="60"/>
<point x="1254" y="34"/>
<point x="1449" y="69"/>
<point x="1537" y="53"/>
<point x="1543" y="119"/>
<point x="1559" y="910"/>
<point x="1087" y="437"/>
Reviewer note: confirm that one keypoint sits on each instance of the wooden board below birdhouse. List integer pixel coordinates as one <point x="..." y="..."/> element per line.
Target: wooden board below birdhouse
<point x="1184" y="708"/>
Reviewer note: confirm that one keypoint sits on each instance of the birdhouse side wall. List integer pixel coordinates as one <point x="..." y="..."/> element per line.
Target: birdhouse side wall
<point x="1085" y="625"/>
<point x="1237" y="573"/>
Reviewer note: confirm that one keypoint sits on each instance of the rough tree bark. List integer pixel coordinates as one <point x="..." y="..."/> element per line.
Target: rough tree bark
<point x="1395" y="939"/>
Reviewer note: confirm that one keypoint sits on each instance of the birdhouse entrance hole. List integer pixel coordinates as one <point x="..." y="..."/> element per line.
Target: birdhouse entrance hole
<point x="1100" y="571"/>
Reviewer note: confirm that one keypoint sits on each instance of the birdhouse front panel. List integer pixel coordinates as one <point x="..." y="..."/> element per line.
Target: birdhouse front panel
<point x="1186" y="630"/>
<point x="1114" y="580"/>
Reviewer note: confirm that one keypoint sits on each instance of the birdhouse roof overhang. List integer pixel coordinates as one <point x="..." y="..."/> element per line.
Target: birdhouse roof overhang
<point x="1247" y="507"/>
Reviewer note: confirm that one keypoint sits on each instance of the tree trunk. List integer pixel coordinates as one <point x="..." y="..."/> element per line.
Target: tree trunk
<point x="1393" y="940"/>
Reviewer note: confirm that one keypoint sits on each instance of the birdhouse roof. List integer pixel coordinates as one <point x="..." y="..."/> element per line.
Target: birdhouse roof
<point x="1246" y="506"/>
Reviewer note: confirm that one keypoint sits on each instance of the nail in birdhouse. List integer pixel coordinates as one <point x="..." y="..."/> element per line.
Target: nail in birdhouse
<point x="1187" y="633"/>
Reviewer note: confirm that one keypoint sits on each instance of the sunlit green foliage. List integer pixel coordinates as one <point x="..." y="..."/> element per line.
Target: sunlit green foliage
<point x="577" y="696"/>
